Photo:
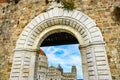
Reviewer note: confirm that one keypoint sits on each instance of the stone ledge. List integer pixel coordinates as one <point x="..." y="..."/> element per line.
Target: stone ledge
<point x="27" y="49"/>
<point x="91" y="44"/>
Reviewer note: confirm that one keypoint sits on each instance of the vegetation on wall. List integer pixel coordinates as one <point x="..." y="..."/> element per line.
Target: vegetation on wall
<point x="58" y="1"/>
<point x="16" y="1"/>
<point x="68" y="4"/>
<point x="94" y="2"/>
<point x="46" y="1"/>
<point x="116" y="13"/>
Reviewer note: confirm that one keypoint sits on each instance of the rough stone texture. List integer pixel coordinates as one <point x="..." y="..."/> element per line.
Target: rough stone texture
<point x="14" y="17"/>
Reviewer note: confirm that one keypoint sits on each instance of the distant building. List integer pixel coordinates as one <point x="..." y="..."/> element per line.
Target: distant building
<point x="43" y="72"/>
<point x="41" y="66"/>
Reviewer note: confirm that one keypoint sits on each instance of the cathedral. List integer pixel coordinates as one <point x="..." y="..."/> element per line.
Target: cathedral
<point x="45" y="72"/>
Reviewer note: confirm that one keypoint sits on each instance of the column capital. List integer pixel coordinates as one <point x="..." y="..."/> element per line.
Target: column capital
<point x="25" y="49"/>
<point x="91" y="44"/>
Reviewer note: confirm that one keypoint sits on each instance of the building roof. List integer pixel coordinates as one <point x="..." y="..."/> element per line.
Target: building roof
<point x="42" y="52"/>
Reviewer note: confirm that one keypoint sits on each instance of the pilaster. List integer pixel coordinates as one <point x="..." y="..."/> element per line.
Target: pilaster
<point x="84" y="63"/>
<point x="96" y="60"/>
<point x="23" y="65"/>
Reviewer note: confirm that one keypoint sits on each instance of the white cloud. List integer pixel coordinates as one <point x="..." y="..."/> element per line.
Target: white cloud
<point x="66" y="55"/>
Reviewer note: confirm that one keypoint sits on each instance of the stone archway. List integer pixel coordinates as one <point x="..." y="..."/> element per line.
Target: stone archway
<point x="76" y="23"/>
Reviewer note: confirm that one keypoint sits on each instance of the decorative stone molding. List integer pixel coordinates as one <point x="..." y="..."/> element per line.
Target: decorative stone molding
<point x="93" y="43"/>
<point x="23" y="49"/>
<point x="79" y="21"/>
<point x="23" y="65"/>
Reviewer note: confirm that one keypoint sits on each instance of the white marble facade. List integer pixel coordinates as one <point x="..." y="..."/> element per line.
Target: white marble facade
<point x="43" y="72"/>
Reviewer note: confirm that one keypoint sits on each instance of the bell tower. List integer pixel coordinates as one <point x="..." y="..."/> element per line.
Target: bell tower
<point x="60" y="69"/>
<point x="74" y="70"/>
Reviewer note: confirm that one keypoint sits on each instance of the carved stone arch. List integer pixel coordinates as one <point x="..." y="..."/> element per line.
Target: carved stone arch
<point x="92" y="45"/>
<point x="76" y="19"/>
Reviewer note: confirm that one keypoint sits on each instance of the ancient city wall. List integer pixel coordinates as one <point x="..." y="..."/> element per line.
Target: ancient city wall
<point x="14" y="17"/>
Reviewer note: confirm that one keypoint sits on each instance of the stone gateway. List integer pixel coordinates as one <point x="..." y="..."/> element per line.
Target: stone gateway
<point x="25" y="22"/>
<point x="55" y="20"/>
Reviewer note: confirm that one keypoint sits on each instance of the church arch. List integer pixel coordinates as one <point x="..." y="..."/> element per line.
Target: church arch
<point x="83" y="28"/>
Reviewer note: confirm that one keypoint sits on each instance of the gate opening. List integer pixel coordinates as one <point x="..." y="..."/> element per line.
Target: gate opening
<point x="62" y="50"/>
<point x="61" y="38"/>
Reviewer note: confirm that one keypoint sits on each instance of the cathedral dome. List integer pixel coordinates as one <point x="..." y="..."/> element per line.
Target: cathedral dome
<point x="42" y="52"/>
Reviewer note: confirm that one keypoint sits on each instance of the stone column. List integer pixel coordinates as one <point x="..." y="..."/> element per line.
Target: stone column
<point x="98" y="68"/>
<point x="84" y="63"/>
<point x="23" y="65"/>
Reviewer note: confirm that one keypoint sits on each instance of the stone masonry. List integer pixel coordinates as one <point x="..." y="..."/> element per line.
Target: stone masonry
<point x="14" y="17"/>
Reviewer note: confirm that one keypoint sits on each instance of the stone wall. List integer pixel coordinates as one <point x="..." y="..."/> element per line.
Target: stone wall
<point x="102" y="12"/>
<point x="3" y="1"/>
<point x="14" y="17"/>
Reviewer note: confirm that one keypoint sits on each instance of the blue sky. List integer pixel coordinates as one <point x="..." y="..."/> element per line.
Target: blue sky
<point x="66" y="56"/>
